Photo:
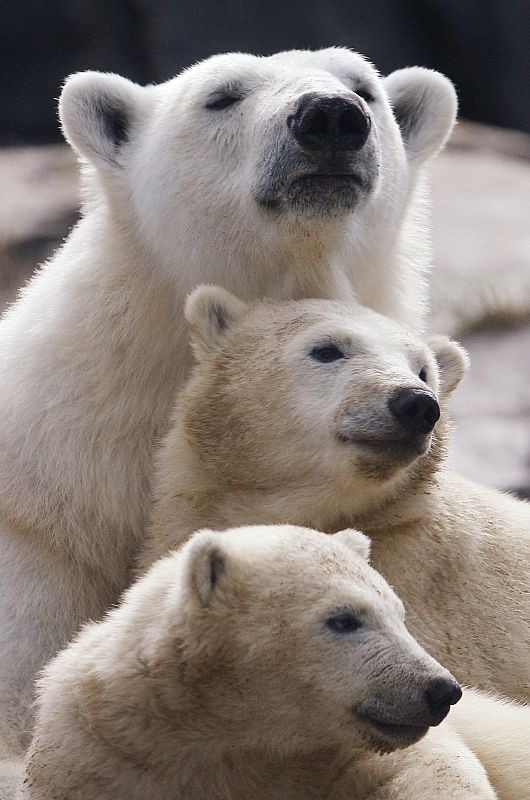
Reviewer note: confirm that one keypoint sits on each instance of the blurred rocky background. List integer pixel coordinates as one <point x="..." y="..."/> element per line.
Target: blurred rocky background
<point x="481" y="183"/>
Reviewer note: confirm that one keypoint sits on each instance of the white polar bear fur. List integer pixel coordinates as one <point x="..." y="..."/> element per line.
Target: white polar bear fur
<point x="218" y="677"/>
<point x="498" y="732"/>
<point x="256" y="441"/>
<point x="95" y="347"/>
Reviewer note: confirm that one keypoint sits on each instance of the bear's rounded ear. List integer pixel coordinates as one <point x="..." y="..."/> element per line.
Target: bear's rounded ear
<point x="210" y="311"/>
<point x="355" y="540"/>
<point x="98" y="112"/>
<point x="453" y="362"/>
<point x="205" y="565"/>
<point x="425" y="107"/>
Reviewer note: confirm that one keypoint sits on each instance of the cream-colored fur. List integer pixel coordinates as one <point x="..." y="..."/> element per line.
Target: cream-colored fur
<point x="223" y="675"/>
<point x="264" y="433"/>
<point x="177" y="192"/>
<point x="498" y="732"/>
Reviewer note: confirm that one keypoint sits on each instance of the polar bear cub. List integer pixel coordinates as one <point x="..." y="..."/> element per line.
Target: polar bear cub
<point x="295" y="175"/>
<point x="323" y="414"/>
<point x="269" y="663"/>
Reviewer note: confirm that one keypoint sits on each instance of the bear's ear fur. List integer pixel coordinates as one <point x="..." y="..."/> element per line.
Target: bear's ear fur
<point x="453" y="362"/>
<point x="425" y="107"/>
<point x="356" y="541"/>
<point x="97" y="112"/>
<point x="205" y="565"/>
<point x="210" y="311"/>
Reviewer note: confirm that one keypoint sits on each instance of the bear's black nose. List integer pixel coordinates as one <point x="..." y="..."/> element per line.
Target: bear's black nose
<point x="416" y="410"/>
<point x="329" y="122"/>
<point x="442" y="693"/>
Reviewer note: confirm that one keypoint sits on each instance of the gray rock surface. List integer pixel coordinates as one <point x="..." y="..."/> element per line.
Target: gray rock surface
<point x="481" y="296"/>
<point x="492" y="410"/>
<point x="480" y="284"/>
<point x="481" y="216"/>
<point x="11" y="773"/>
<point x="39" y="202"/>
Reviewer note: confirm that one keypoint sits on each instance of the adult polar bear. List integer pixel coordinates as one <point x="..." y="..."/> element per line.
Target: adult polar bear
<point x="285" y="176"/>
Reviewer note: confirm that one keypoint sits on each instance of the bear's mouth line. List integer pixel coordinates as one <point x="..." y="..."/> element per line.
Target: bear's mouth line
<point x="319" y="177"/>
<point x="416" y="446"/>
<point x="395" y="729"/>
<point x="319" y="184"/>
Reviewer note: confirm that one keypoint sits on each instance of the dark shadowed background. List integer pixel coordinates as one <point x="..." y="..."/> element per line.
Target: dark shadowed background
<point x="481" y="183"/>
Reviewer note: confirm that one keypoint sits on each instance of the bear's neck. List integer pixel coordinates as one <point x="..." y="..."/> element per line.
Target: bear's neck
<point x="281" y="259"/>
<point x="260" y="775"/>
<point x="330" y="772"/>
<point x="185" y="753"/>
<point x="351" y="257"/>
<point x="412" y="499"/>
<point x="192" y="494"/>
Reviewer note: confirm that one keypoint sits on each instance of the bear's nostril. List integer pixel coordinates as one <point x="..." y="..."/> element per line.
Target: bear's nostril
<point x="416" y="410"/>
<point x="353" y="122"/>
<point x="315" y="123"/>
<point x="443" y="692"/>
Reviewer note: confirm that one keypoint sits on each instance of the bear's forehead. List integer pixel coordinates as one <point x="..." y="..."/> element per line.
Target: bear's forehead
<point x="324" y="582"/>
<point x="335" y="59"/>
<point x="304" y="321"/>
<point x="302" y="555"/>
<point x="286" y="564"/>
<point x="241" y="67"/>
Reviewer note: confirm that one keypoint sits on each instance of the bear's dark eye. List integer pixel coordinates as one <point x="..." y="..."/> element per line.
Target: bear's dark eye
<point x="223" y="101"/>
<point x="423" y="375"/>
<point x="326" y="353"/>
<point x="365" y="94"/>
<point x="343" y="622"/>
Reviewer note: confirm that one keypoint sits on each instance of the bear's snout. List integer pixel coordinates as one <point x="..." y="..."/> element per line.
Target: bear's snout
<point x="406" y="711"/>
<point x="329" y="122"/>
<point x="416" y="410"/>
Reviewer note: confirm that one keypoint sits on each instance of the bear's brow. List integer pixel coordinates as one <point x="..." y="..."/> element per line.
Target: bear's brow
<point x="228" y="85"/>
<point x="416" y="353"/>
<point x="346" y="340"/>
<point x="235" y="85"/>
<point x="357" y="607"/>
<point x="358" y="79"/>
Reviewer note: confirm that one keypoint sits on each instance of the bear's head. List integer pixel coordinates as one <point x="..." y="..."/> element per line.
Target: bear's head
<point x="313" y="393"/>
<point x="239" y="141"/>
<point x="289" y="641"/>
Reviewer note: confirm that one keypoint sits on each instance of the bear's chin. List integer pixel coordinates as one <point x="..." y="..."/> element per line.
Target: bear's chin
<point x="325" y="194"/>
<point x="319" y="194"/>
<point x="382" y="460"/>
